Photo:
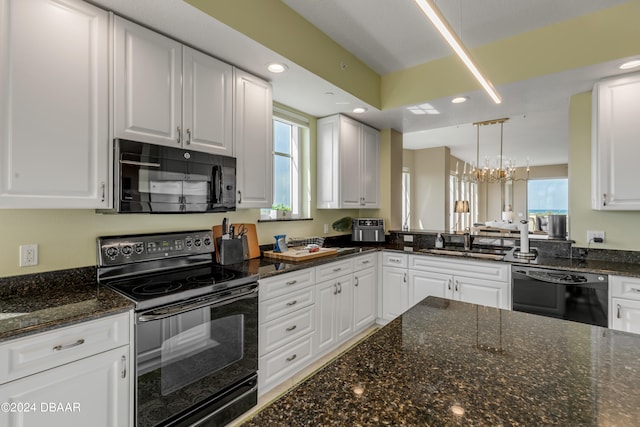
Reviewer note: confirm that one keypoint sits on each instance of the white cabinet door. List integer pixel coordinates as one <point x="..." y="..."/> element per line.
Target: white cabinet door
<point x="395" y="292"/>
<point x="424" y="284"/>
<point x="370" y="167"/>
<point x="207" y="101"/>
<point x="364" y="298"/>
<point x="253" y="142"/>
<point x="147" y="85"/>
<point x="350" y="176"/>
<point x="335" y="312"/>
<point x="89" y="392"/>
<point x="482" y="292"/>
<point x="348" y="164"/>
<point x="626" y="315"/>
<point x="54" y="110"/>
<point x="615" y="148"/>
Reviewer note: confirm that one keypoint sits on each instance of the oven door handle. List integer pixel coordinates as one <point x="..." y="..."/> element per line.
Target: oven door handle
<point x="212" y="302"/>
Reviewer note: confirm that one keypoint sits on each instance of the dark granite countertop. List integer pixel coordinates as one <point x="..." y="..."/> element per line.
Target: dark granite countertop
<point x="40" y="302"/>
<point x="451" y="363"/>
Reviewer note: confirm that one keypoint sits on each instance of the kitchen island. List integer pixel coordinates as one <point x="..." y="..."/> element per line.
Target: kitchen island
<point x="445" y="362"/>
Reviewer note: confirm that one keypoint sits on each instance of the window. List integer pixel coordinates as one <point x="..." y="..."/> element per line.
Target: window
<point x="290" y="161"/>
<point x="546" y="197"/>
<point x="286" y="183"/>
<point x="406" y="198"/>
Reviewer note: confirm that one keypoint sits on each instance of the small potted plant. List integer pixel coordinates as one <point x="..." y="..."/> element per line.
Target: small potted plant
<point x="282" y="211"/>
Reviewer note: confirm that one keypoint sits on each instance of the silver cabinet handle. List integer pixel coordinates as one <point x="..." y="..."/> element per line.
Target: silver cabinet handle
<point x="123" y="374"/>
<point x="619" y="314"/>
<point x="104" y="191"/>
<point x="289" y="359"/>
<point x="291" y="328"/>
<point x="634" y="290"/>
<point x="335" y="289"/>
<point x="604" y="199"/>
<point x="366" y="261"/>
<point x="456" y="288"/>
<point x="135" y="163"/>
<point x="291" y="282"/>
<point x="239" y="196"/>
<point x="404" y="277"/>
<point x="294" y="302"/>
<point x="188" y="136"/>
<point x="339" y="287"/>
<point x="179" y="138"/>
<point x="356" y="281"/>
<point x="449" y="284"/>
<point x="337" y="269"/>
<point x="61" y="347"/>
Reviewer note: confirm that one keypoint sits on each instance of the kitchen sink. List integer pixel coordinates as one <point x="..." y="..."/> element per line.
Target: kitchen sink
<point x="494" y="254"/>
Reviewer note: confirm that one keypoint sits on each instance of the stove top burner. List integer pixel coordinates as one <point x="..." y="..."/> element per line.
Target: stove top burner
<point x="157" y="288"/>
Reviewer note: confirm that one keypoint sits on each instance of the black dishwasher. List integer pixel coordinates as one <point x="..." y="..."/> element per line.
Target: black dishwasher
<point x="580" y="297"/>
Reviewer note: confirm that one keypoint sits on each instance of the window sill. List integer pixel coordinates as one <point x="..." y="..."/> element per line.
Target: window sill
<point x="285" y="220"/>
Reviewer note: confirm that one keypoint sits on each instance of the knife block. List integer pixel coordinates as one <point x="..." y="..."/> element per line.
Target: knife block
<point x="231" y="250"/>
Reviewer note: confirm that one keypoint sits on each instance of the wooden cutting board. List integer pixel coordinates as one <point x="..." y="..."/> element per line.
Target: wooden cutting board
<point x="300" y="254"/>
<point x="252" y="239"/>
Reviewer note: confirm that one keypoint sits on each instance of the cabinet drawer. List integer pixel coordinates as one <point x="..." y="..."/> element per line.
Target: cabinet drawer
<point x="286" y="329"/>
<point x="284" y="362"/>
<point x="283" y="284"/>
<point x="364" y="261"/>
<point x="26" y="356"/>
<point x="390" y="259"/>
<point x="625" y="287"/>
<point x="477" y="269"/>
<point x="285" y="304"/>
<point x="334" y="269"/>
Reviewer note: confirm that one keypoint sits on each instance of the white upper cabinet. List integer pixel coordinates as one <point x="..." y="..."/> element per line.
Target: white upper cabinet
<point x="348" y="164"/>
<point x="253" y="141"/>
<point x="54" y="112"/>
<point x="615" y="149"/>
<point x="169" y="94"/>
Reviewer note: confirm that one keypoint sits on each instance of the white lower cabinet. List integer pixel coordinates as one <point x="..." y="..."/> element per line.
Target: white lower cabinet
<point x="74" y="376"/>
<point x="307" y="313"/>
<point x="395" y="286"/>
<point x="624" y="306"/>
<point x="478" y="282"/>
<point x="335" y="308"/>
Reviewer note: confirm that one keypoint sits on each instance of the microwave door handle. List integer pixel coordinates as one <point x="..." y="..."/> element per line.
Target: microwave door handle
<point x="136" y="163"/>
<point x="183" y="308"/>
<point x="214" y="183"/>
<point x="221" y="186"/>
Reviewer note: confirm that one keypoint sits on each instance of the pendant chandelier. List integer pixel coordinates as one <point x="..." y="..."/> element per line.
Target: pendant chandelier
<point x="499" y="171"/>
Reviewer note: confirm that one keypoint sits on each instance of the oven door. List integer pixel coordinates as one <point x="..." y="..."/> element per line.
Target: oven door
<point x="193" y="357"/>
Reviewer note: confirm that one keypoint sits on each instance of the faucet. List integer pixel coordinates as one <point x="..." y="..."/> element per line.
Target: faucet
<point x="467" y="241"/>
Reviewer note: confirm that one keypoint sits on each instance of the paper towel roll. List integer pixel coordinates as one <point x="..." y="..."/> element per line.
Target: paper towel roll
<point x="524" y="237"/>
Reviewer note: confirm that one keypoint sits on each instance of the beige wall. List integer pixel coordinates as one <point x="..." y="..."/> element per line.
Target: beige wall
<point x="390" y="181"/>
<point x="622" y="228"/>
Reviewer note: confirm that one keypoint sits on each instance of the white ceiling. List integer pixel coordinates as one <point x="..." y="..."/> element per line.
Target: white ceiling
<point x="389" y="35"/>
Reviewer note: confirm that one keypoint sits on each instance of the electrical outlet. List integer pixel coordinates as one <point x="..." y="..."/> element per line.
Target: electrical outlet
<point x="407" y="237"/>
<point x="595" y="236"/>
<point x="28" y="255"/>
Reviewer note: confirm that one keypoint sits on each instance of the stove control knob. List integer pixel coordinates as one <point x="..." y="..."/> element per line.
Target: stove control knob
<point x="111" y="251"/>
<point x="139" y="248"/>
<point x="188" y="242"/>
<point x="197" y="242"/>
<point x="207" y="241"/>
<point x="126" y="250"/>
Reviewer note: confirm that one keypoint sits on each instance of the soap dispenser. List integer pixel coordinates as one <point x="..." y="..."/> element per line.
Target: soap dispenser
<point x="439" y="241"/>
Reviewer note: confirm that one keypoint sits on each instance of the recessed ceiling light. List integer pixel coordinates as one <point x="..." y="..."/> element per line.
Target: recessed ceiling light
<point x="359" y="110"/>
<point x="631" y="64"/>
<point x="276" y="67"/>
<point x="459" y="99"/>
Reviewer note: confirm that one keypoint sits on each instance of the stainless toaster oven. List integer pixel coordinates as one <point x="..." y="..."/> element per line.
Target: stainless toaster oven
<point x="368" y="230"/>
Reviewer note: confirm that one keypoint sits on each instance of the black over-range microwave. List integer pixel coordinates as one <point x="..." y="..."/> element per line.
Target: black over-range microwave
<point x="158" y="179"/>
